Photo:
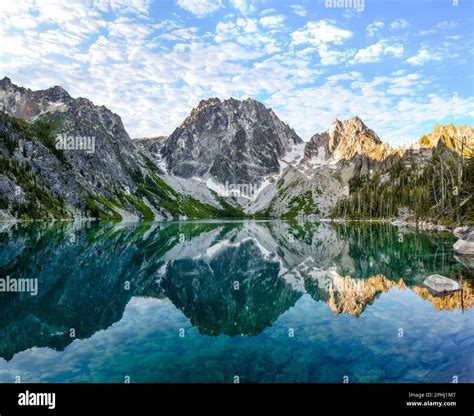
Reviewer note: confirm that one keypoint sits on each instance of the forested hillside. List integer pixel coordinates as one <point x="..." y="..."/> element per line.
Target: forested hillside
<point x="439" y="191"/>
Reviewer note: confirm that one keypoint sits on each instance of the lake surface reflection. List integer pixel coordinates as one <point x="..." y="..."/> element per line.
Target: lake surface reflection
<point x="268" y="301"/>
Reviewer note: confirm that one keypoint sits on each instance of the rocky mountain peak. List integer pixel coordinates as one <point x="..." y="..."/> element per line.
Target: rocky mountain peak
<point x="345" y="140"/>
<point x="152" y="145"/>
<point x="357" y="121"/>
<point x="203" y="106"/>
<point x="57" y="93"/>
<point x="5" y="82"/>
<point x="350" y="141"/>
<point x="353" y="128"/>
<point x="442" y="138"/>
<point x="250" y="102"/>
<point x="229" y="141"/>
<point x="27" y="104"/>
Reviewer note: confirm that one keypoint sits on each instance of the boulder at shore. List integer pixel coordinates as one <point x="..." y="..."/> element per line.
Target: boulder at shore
<point x="465" y="245"/>
<point x="440" y="285"/>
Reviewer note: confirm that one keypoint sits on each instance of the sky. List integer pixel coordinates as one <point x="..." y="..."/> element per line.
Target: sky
<point x="400" y="65"/>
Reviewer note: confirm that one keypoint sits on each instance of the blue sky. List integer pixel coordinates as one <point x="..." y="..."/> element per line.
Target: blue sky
<point x="399" y="65"/>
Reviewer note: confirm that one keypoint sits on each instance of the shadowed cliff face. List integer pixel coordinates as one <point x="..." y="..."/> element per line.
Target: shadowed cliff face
<point x="232" y="141"/>
<point x="227" y="278"/>
<point x="106" y="167"/>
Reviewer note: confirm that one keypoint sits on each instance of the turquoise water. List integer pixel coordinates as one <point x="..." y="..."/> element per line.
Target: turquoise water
<point x="233" y="301"/>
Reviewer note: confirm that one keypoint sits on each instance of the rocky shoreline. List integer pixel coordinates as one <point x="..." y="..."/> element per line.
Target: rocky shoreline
<point x="422" y="225"/>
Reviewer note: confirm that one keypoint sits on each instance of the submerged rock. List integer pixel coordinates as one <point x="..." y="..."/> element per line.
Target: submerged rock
<point x="395" y="368"/>
<point x="441" y="285"/>
<point x="433" y="358"/>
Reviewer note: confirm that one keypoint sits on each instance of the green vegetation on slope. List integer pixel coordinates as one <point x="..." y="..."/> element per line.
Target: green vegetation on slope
<point x="467" y="192"/>
<point x="301" y="205"/>
<point x="163" y="197"/>
<point x="30" y="198"/>
<point x="33" y="201"/>
<point x="298" y="205"/>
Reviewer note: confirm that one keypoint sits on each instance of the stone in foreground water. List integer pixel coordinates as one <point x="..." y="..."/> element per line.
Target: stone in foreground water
<point x="440" y="284"/>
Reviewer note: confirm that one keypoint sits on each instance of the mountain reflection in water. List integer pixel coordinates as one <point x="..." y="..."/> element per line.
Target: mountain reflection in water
<point x="227" y="278"/>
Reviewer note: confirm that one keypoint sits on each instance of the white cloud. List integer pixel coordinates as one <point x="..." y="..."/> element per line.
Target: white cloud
<point x="440" y="27"/>
<point x="185" y="33"/>
<point x="399" y="24"/>
<point x="244" y="6"/>
<point x="245" y="31"/>
<point x="398" y="83"/>
<point x="200" y="8"/>
<point x="320" y="32"/>
<point x="332" y="57"/>
<point x="299" y="10"/>
<point x="272" y="21"/>
<point x="375" y="52"/>
<point x="349" y="76"/>
<point x="423" y="55"/>
<point x="122" y="6"/>
<point x="248" y="25"/>
<point x="446" y="25"/>
<point x="173" y="67"/>
<point x="166" y="25"/>
<point x="374" y="27"/>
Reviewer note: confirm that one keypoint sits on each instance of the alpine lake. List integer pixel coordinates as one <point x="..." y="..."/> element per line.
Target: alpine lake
<point x="232" y="301"/>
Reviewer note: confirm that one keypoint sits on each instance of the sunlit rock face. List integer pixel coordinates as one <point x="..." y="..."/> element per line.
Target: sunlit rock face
<point x="349" y="140"/>
<point x="329" y="161"/>
<point x="346" y="295"/>
<point x="454" y="138"/>
<point x="351" y="296"/>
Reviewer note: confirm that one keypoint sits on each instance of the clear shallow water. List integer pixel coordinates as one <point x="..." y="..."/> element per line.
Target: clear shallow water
<point x="205" y="302"/>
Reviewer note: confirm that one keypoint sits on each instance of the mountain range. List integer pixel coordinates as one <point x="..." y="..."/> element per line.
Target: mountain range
<point x="228" y="158"/>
